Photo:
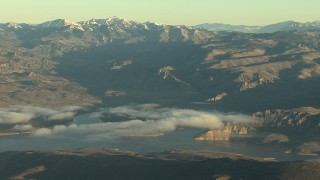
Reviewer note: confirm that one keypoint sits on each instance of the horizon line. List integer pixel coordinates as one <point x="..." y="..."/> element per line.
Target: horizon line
<point x="53" y="19"/>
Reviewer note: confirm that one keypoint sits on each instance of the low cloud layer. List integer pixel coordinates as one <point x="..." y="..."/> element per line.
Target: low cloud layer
<point x="21" y="116"/>
<point x="144" y="120"/>
<point x="152" y="111"/>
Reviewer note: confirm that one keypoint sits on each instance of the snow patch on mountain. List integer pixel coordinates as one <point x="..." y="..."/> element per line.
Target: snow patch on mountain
<point x="61" y="23"/>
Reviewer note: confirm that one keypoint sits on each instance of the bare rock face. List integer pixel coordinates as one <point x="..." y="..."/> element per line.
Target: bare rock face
<point x="282" y="118"/>
<point x="301" y="123"/>
<point x="239" y="128"/>
<point x="215" y="135"/>
<point x="218" y="97"/>
<point x="167" y="73"/>
<point x="225" y="133"/>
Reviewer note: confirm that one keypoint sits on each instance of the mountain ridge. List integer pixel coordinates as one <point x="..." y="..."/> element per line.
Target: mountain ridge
<point x="270" y="28"/>
<point x="121" y="22"/>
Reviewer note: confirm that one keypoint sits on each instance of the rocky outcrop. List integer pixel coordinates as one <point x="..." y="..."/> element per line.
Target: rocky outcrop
<point x="215" y="135"/>
<point x="239" y="128"/>
<point x="282" y="124"/>
<point x="121" y="65"/>
<point x="253" y="80"/>
<point x="293" y="123"/>
<point x="218" y="97"/>
<point x="166" y="72"/>
<point x="302" y="124"/>
<point x="225" y="133"/>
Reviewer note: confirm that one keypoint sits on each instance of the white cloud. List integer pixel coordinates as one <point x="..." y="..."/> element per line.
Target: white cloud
<point x="14" y="117"/>
<point x="145" y="122"/>
<point x="19" y="115"/>
<point x="61" y="116"/>
<point x="26" y="127"/>
<point x="42" y="132"/>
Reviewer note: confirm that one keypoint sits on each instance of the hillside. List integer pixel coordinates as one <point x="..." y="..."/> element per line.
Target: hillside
<point x="115" y="61"/>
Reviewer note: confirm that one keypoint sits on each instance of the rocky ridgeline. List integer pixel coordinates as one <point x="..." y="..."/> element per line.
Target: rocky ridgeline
<point x="252" y="82"/>
<point x="287" y="122"/>
<point x="166" y="73"/>
<point x="286" y="119"/>
<point x="215" y="135"/>
<point x="224" y="134"/>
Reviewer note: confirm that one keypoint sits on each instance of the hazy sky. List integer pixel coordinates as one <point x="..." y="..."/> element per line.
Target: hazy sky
<point x="190" y="12"/>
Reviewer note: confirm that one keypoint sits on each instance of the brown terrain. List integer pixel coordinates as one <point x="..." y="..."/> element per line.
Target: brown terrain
<point x="101" y="63"/>
<point x="178" y="164"/>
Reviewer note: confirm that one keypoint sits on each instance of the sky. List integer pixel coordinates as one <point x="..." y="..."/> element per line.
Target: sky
<point x="174" y="12"/>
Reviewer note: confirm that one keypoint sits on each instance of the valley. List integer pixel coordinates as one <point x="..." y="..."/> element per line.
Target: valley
<point x="149" y="87"/>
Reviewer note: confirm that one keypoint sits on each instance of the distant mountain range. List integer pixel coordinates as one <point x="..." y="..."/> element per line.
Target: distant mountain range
<point x="121" y="23"/>
<point x="282" y="26"/>
<point x="114" y="28"/>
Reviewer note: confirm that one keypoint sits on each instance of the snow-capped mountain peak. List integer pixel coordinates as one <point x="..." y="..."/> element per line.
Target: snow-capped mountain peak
<point x="57" y="23"/>
<point x="13" y="25"/>
<point x="111" y="21"/>
<point x="61" y="23"/>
